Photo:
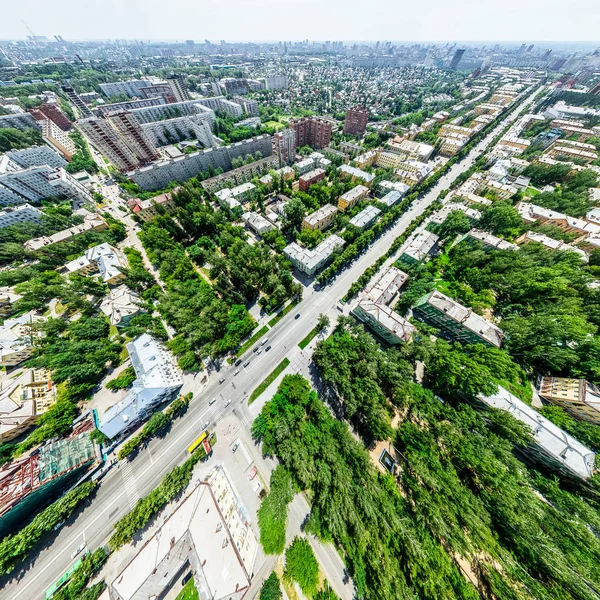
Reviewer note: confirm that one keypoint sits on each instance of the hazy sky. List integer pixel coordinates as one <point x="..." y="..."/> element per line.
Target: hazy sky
<point x="522" y="20"/>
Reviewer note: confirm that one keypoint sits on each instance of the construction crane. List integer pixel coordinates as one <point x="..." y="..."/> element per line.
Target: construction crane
<point x="33" y="36"/>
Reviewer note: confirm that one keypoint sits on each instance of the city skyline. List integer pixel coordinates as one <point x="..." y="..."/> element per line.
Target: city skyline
<point x="538" y="21"/>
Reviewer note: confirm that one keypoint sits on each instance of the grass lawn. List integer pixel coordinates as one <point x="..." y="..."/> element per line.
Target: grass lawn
<point x="250" y="342"/>
<point x="275" y="124"/>
<point x="189" y="591"/>
<point x="284" y="312"/>
<point x="269" y="380"/>
<point x="311" y="334"/>
<point x="531" y="191"/>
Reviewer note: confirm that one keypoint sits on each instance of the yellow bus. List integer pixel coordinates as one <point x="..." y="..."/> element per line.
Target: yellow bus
<point x="195" y="444"/>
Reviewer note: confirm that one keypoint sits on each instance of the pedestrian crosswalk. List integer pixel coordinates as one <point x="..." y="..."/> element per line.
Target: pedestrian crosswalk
<point x="129" y="483"/>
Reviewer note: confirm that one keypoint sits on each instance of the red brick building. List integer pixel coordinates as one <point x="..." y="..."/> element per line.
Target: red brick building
<point x="356" y="120"/>
<point x="311" y="131"/>
<point x="305" y="181"/>
<point x="52" y="112"/>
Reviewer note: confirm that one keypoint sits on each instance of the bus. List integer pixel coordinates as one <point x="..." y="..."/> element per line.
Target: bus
<point x="196" y="443"/>
<point x="66" y="576"/>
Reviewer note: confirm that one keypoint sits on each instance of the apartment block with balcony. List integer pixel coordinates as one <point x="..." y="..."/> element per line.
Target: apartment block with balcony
<point x="310" y="261"/>
<point x="310" y="178"/>
<point x="578" y="397"/>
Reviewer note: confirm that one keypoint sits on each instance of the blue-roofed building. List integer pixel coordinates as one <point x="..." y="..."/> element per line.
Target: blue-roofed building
<point x="158" y="378"/>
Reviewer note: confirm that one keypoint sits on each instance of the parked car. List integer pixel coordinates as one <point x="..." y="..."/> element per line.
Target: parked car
<point x="238" y="362"/>
<point x="246" y="363"/>
<point x="205" y="426"/>
<point x="255" y="349"/>
<point x="222" y="380"/>
<point x="211" y="402"/>
<point x="237" y="371"/>
<point x="77" y="550"/>
<point x="252" y="473"/>
<point x="227" y="403"/>
<point x="235" y="447"/>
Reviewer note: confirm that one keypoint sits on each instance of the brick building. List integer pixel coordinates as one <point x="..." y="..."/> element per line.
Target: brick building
<point x="356" y="120"/>
<point x="311" y="131"/>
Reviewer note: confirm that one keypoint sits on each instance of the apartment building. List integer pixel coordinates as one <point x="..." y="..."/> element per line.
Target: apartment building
<point x="448" y="128"/>
<point x="121" y="305"/>
<point x="311" y="131"/>
<point x="52" y="112"/>
<point x="531" y="213"/>
<point x="16" y="343"/>
<point x="304" y="166"/>
<point x="387" y="186"/>
<point x="134" y="136"/>
<point x="389" y="160"/>
<point x="487" y="108"/>
<point x="410" y="150"/>
<point x="452" y="144"/>
<point x="365" y="217"/>
<point x="158" y="379"/>
<point x="159" y="174"/>
<point x="238" y="194"/>
<point x="58" y="139"/>
<point x="91" y="222"/>
<point x="355" y="174"/>
<point x="355" y="122"/>
<point x="257" y="223"/>
<point x="367" y="159"/>
<point x="351" y="197"/>
<point x="321" y="218"/>
<point x="25" y="213"/>
<point x="34" y="156"/>
<point x="103" y="259"/>
<point x="240" y="175"/>
<point x="284" y="146"/>
<point x="131" y="88"/>
<point x="80" y="106"/>
<point x="310" y="261"/>
<point x="35" y="184"/>
<point x="250" y="107"/>
<point x="24" y="396"/>
<point x="277" y="82"/>
<point x="235" y="86"/>
<point x="104" y="109"/>
<point x="373" y="308"/>
<point x="178" y="85"/>
<point x="550" y="445"/>
<point x="456" y="320"/>
<point x="441" y="215"/>
<point x="573" y="150"/>
<point x="103" y="136"/>
<point x="489" y="241"/>
<point x="419" y="248"/>
<point x="310" y="178"/>
<point x="551" y="244"/>
<point x="578" y="397"/>
<point x="20" y="121"/>
<point x="189" y="127"/>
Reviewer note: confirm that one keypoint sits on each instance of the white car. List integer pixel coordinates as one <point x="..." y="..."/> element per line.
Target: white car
<point x="77" y="550"/>
<point x="205" y="426"/>
<point x="227" y="403"/>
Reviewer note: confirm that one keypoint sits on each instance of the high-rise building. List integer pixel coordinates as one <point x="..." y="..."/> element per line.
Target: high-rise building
<point x="103" y="136"/>
<point x="311" y="131"/>
<point x="356" y="120"/>
<point x="235" y="86"/>
<point x="130" y="131"/>
<point x="52" y="112"/>
<point x="79" y="104"/>
<point x="179" y="87"/>
<point x="277" y="82"/>
<point x="458" y="54"/>
<point x="131" y="88"/>
<point x="250" y="107"/>
<point x="58" y="139"/>
<point x="284" y="146"/>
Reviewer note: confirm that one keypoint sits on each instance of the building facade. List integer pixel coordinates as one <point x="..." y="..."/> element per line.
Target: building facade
<point x="356" y="121"/>
<point x="311" y="131"/>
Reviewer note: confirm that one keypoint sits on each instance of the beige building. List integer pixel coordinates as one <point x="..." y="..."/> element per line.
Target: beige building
<point x="103" y="259"/>
<point x="367" y="159"/>
<point x="15" y="339"/>
<point x="578" y="397"/>
<point x="573" y="150"/>
<point x="452" y="143"/>
<point x="58" y="139"/>
<point x="351" y="197"/>
<point x="320" y="219"/>
<point x="24" y="396"/>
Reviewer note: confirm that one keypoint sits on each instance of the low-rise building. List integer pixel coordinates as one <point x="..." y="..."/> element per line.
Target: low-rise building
<point x="391" y="198"/>
<point x="320" y="219"/>
<point x="489" y="240"/>
<point x="573" y="150"/>
<point x="353" y="173"/>
<point x="551" y="243"/>
<point x="304" y="166"/>
<point x="257" y="222"/>
<point x="310" y="178"/>
<point x="157" y="379"/>
<point x="16" y="344"/>
<point x="146" y="210"/>
<point x="310" y="261"/>
<point x="373" y="308"/>
<point x="456" y="320"/>
<point x="531" y="213"/>
<point x="441" y="215"/>
<point x="121" y="305"/>
<point x="103" y="259"/>
<point x="91" y="222"/>
<point x="367" y="159"/>
<point x="365" y="217"/>
<point x="452" y="143"/>
<point x="351" y="197"/>
<point x="578" y="397"/>
<point x="24" y="213"/>
<point x="24" y="396"/>
<point x="410" y="150"/>
<point x="419" y="248"/>
<point x="390" y="160"/>
<point x="397" y="186"/>
<point x="550" y="446"/>
<point x="208" y="536"/>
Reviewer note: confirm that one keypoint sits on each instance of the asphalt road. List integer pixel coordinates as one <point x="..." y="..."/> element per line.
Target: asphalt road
<point x="122" y="486"/>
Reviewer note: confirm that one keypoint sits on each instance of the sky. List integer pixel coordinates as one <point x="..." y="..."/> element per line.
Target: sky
<point x="242" y="20"/>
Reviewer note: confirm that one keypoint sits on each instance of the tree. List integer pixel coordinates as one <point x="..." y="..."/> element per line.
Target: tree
<point x="501" y="219"/>
<point x="323" y="322"/>
<point x="293" y="214"/>
<point x="302" y="567"/>
<point x="455" y="223"/>
<point x="271" y="589"/>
